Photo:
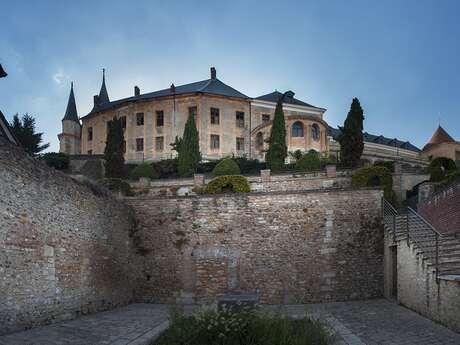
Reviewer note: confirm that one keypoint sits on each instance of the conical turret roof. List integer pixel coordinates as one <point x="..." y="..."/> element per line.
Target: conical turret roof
<point x="439" y="136"/>
<point x="71" y="111"/>
<point x="103" y="95"/>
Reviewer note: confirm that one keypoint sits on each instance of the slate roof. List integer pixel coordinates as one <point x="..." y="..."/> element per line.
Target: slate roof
<point x="378" y="139"/>
<point x="71" y="111"/>
<point x="103" y="95"/>
<point x="208" y="86"/>
<point x="275" y="96"/>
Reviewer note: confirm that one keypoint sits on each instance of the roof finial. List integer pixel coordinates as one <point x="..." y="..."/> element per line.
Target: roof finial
<point x="71" y="85"/>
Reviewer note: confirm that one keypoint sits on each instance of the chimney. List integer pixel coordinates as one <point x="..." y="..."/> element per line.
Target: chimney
<point x="213" y="73"/>
<point x="137" y="91"/>
<point x="172" y="88"/>
<point x="96" y="100"/>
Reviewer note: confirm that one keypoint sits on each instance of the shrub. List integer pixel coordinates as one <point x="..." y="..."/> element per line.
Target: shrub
<point x="310" y="161"/>
<point x="117" y="185"/>
<point x="207" y="167"/>
<point x="249" y="166"/>
<point x="440" y="167"/>
<point x="222" y="184"/>
<point x="56" y="160"/>
<point x="372" y="176"/>
<point x="143" y="170"/>
<point x="390" y="165"/>
<point x="248" y="326"/>
<point x="166" y="168"/>
<point x="226" y="167"/>
<point x="297" y="154"/>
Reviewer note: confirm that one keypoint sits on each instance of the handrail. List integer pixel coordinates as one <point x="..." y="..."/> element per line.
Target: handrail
<point x="423" y="220"/>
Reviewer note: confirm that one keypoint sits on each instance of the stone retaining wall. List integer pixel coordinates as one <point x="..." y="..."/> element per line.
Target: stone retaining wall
<point x="65" y="248"/>
<point x="290" y="247"/>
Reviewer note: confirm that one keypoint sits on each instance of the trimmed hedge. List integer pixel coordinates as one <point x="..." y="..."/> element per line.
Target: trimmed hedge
<point x="227" y="183"/>
<point x="143" y="170"/>
<point x="117" y="185"/>
<point x="166" y="168"/>
<point x="226" y="167"/>
<point x="372" y="176"/>
<point x="309" y="162"/>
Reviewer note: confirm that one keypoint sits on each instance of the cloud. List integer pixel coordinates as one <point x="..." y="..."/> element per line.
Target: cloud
<point x="60" y="77"/>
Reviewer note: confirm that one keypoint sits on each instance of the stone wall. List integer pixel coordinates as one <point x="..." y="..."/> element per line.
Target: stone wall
<point x="442" y="209"/>
<point x="418" y="290"/>
<point x="65" y="248"/>
<point x="290" y="247"/>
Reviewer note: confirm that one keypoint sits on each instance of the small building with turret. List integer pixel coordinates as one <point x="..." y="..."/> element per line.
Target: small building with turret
<point x="70" y="138"/>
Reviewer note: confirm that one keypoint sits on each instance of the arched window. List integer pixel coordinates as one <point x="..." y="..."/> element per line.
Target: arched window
<point x="259" y="141"/>
<point x="297" y="129"/>
<point x="315" y="132"/>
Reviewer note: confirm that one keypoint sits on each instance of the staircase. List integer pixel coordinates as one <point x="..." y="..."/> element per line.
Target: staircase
<point x="439" y="251"/>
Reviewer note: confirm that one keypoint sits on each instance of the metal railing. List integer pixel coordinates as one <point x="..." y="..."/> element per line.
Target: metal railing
<point x="417" y="230"/>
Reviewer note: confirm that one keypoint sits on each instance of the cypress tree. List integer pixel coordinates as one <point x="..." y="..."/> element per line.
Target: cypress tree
<point x="189" y="149"/>
<point x="277" y="149"/>
<point x="351" y="139"/>
<point x="113" y="152"/>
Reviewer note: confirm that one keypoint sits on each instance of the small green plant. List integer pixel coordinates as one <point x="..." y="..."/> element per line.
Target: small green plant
<point x="117" y="185"/>
<point x="228" y="183"/>
<point x="297" y="155"/>
<point x="309" y="162"/>
<point x="390" y="165"/>
<point x="247" y="326"/>
<point x="226" y="167"/>
<point x="143" y="170"/>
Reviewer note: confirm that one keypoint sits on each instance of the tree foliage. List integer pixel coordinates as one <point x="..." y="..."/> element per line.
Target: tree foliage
<point x="226" y="166"/>
<point x="56" y="160"/>
<point x="188" y="148"/>
<point x="309" y="162"/>
<point x="351" y="139"/>
<point x="24" y="130"/>
<point x="440" y="167"/>
<point x="277" y="149"/>
<point x="113" y="152"/>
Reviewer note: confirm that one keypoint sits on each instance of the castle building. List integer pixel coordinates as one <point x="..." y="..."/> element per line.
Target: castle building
<point x="228" y="122"/>
<point x="70" y="138"/>
<point x="441" y="144"/>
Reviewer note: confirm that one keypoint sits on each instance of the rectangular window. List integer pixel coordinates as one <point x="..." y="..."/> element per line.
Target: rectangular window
<point x="140" y="119"/>
<point x="159" y="143"/>
<point x="123" y="122"/>
<point x="160" y="118"/>
<point x="192" y="111"/>
<point x="139" y="144"/>
<point x="265" y="118"/>
<point x="240" y="144"/>
<point x="215" y="144"/>
<point x="90" y="152"/>
<point x="214" y="116"/>
<point x="240" y="119"/>
<point x="90" y="133"/>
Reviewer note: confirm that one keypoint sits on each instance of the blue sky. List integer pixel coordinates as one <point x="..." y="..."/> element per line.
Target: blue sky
<point x="400" y="58"/>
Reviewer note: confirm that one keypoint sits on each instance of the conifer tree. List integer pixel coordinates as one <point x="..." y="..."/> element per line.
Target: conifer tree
<point x="113" y="152"/>
<point x="351" y="138"/>
<point x="277" y="149"/>
<point x="24" y="129"/>
<point x="189" y="149"/>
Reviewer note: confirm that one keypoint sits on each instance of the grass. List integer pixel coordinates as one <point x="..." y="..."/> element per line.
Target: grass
<point x="246" y="327"/>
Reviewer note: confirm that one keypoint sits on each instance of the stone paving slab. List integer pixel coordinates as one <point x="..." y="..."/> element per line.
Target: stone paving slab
<point x="375" y="322"/>
<point x="136" y="324"/>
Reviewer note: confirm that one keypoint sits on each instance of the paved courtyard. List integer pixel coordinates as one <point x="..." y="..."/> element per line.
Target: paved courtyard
<point x="376" y="322"/>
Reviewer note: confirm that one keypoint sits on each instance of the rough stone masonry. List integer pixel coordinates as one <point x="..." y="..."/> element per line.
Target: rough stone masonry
<point x="291" y="247"/>
<point x="64" y="251"/>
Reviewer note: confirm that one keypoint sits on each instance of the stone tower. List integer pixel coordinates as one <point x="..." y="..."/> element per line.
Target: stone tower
<point x="70" y="138"/>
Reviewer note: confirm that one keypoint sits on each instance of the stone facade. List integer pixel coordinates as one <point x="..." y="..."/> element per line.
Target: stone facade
<point x="419" y="291"/>
<point x="65" y="249"/>
<point x="175" y="112"/>
<point x="290" y="247"/>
